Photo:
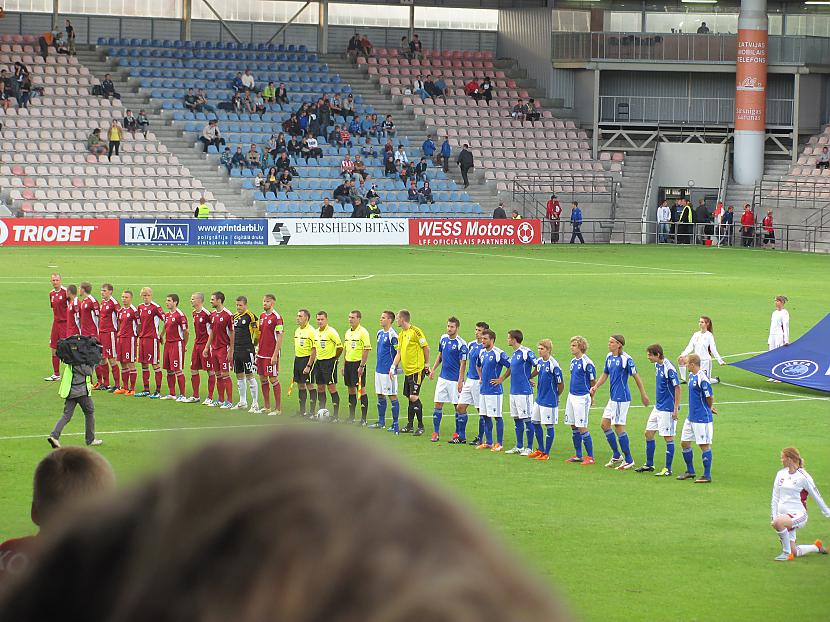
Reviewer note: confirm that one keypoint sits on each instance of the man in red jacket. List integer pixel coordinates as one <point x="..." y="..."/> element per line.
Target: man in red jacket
<point x="748" y="226"/>
<point x="552" y="212"/>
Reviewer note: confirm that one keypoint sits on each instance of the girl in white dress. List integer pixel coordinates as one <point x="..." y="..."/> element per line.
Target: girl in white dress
<point x="702" y="343"/>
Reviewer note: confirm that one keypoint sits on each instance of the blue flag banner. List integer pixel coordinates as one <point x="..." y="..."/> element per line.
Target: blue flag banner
<point x="804" y="363"/>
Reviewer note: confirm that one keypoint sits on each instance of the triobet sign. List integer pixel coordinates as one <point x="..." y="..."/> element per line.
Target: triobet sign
<point x="58" y="231"/>
<point x="474" y="231"/>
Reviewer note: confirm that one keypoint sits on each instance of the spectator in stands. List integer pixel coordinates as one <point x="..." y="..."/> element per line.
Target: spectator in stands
<point x="703" y="29"/>
<point x="250" y="104"/>
<point x="421" y="170"/>
<point x="748" y="226"/>
<point x="416" y="49"/>
<point x="472" y="89"/>
<point x="389" y="147"/>
<point x="272" y="179"/>
<point x="334" y="105"/>
<point x="389" y="168"/>
<point x="532" y="113"/>
<point x="285" y="181"/>
<point x="347" y="168"/>
<point x="8" y="81"/>
<point x="366" y="47"/>
<point x="114" y="137"/>
<point x="345" y="140"/>
<point x="368" y="149"/>
<point x="355" y="126"/>
<point x="769" y="230"/>
<point x="44" y="41"/>
<point x="465" y="162"/>
<point x="486" y="90"/>
<point x="373" y="209"/>
<point x="400" y="156"/>
<point x="225" y="159"/>
<point x="406" y="174"/>
<point x="433" y="90"/>
<point x="823" y="160"/>
<point x="499" y="212"/>
<point x="425" y="194"/>
<point x="202" y="102"/>
<point x="360" y="170"/>
<point x="354" y="193"/>
<point x="334" y="137"/>
<point x="419" y="87"/>
<point x="190" y="101"/>
<point x="576" y="223"/>
<point x="326" y="209"/>
<point x="446" y="154"/>
<point x="309" y="148"/>
<point x="367" y="126"/>
<point x="294" y="147"/>
<point x="341" y="194"/>
<point x="211" y="135"/>
<point x="389" y="130"/>
<point x="24" y="92"/>
<point x="5" y="96"/>
<point x="282" y="94"/>
<point x="61" y="46"/>
<point x="359" y="209"/>
<point x="412" y="191"/>
<point x="237" y="85"/>
<point x="130" y="123"/>
<point x="404" y="51"/>
<point x="663" y="222"/>
<point x="95" y="144"/>
<point x="515" y="215"/>
<point x="252" y="158"/>
<point x="428" y="147"/>
<point x="283" y="161"/>
<point x="269" y="93"/>
<point x="260" y="182"/>
<point x="728" y="225"/>
<point x="70" y="36"/>
<point x="238" y="159"/>
<point x="278" y="145"/>
<point x="21" y="72"/>
<point x="291" y="126"/>
<point x="353" y="47"/>
<point x="553" y="212"/>
<point x="348" y="107"/>
<point x="519" y="111"/>
<point x="373" y="195"/>
<point x="303" y="120"/>
<point x="108" y="87"/>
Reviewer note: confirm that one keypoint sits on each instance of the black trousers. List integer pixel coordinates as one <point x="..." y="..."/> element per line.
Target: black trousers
<point x="576" y="233"/>
<point x="554" y="231"/>
<point x="114" y="146"/>
<point x="464" y="172"/>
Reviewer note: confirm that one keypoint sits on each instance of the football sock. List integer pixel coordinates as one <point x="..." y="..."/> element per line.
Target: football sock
<point x="145" y="378"/>
<point x="242" y="387"/>
<point x="520" y="432"/>
<point x="104" y="374"/>
<point x="321" y="399"/>
<point x="714" y="380"/>
<point x="612" y="441"/>
<point x="266" y="394"/>
<point x="538" y="428"/>
<point x="56" y="365"/>
<point x="98" y="374"/>
<point x="589" y="443"/>
<point x="688" y="456"/>
<point x="707" y="463"/>
<point x="577" y="440"/>
<point x="158" y="380"/>
<point x="125" y="378"/>
<point x="115" y="375"/>
<point x="548" y="438"/>
<point x="254" y="389"/>
<point x="669" y="454"/>
<point x="312" y="398"/>
<point x="180" y="381"/>
<point x="488" y="430"/>
<point x="364" y="407"/>
<point x="419" y="412"/>
<point x="171" y="384"/>
<point x="481" y="419"/>
<point x="625" y="446"/>
<point x="396" y="409"/>
<point x="335" y="401"/>
<point x="651" y="445"/>
<point x="462" y="426"/>
<point x="784" y="536"/>
<point x="303" y="399"/>
<point x="381" y="411"/>
<point x="804" y="549"/>
<point x="133" y="378"/>
<point x="683" y="372"/>
<point x="500" y="430"/>
<point x="437" y="414"/>
<point x="530" y="431"/>
<point x="276" y="389"/>
<point x="410" y="414"/>
<point x="220" y="388"/>
<point x="211" y="385"/>
<point x="352" y="405"/>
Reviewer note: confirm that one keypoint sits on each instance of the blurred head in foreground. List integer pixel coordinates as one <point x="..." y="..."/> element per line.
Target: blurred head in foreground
<point x="300" y="526"/>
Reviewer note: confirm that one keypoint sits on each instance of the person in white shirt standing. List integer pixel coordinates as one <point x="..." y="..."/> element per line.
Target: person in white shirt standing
<point x="788" y="510"/>
<point x="779" y="327"/>
<point x="663" y="223"/>
<point x="702" y="343"/>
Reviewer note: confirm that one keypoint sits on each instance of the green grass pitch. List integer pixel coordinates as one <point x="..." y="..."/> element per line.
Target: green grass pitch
<point x="618" y="546"/>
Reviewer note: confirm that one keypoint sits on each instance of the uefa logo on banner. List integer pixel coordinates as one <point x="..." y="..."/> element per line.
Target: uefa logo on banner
<point x="795" y="370"/>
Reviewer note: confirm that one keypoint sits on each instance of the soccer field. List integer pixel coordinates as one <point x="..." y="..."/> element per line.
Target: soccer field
<point x="617" y="545"/>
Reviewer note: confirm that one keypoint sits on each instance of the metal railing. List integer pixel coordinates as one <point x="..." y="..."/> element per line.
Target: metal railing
<point x="647" y="201"/>
<point x="533" y="191"/>
<point x="782" y="193"/>
<point x="640" y="109"/>
<point x="680" y="47"/>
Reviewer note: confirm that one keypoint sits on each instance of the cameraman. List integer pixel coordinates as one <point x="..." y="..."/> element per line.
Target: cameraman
<point x="76" y="389"/>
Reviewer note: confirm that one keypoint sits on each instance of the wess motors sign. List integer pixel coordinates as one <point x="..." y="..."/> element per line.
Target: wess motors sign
<point x="58" y="231"/>
<point x="474" y="231"/>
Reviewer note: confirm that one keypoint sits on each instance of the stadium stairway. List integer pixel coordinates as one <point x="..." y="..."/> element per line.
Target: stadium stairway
<point x="631" y="192"/>
<point x="739" y="195"/>
<point x="212" y="177"/>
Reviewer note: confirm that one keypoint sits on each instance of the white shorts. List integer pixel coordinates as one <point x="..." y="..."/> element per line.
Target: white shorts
<point x="446" y="391"/>
<point x="470" y="393"/>
<point x="545" y="415"/>
<point x="700" y="433"/>
<point x="576" y="410"/>
<point x="384" y="385"/>
<point x="490" y="405"/>
<point x="775" y="341"/>
<point x="521" y="406"/>
<point x="706" y="365"/>
<point x="661" y="421"/>
<point x="617" y="412"/>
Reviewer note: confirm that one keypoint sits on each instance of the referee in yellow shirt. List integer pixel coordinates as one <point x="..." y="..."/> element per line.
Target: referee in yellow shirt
<point x="329" y="348"/>
<point x="357" y="346"/>
<point x="413" y="355"/>
<point x="304" y="355"/>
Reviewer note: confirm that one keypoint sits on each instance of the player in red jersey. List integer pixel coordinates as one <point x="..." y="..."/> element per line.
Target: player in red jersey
<point x="107" y="325"/>
<point x="73" y="312"/>
<point x="220" y="348"/>
<point x="268" y="354"/>
<point x="88" y="311"/>
<point x="198" y="360"/>
<point x="175" y="342"/>
<point x="151" y="318"/>
<point x="126" y="346"/>
<point x="57" y="300"/>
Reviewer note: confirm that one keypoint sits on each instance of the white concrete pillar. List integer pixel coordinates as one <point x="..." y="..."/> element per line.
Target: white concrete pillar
<point x="323" y="27"/>
<point x="750" y="92"/>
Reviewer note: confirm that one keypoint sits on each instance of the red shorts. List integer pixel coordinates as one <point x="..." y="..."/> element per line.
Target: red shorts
<point x="126" y="349"/>
<point x="173" y="356"/>
<point x="148" y="351"/>
<point x="58" y="333"/>
<point x="265" y="368"/>
<point x="219" y="360"/>
<point x="198" y="361"/>
<point x="108" y="344"/>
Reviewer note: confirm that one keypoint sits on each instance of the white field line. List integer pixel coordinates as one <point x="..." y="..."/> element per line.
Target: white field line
<point x="252" y="284"/>
<point x="732" y="356"/>
<point x="738" y="386"/>
<point x="144" y="249"/>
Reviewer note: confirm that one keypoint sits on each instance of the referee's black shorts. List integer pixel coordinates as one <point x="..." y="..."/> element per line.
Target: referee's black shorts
<point x="244" y="362"/>
<point x="351" y="376"/>
<point x="299" y="366"/>
<point x="325" y="371"/>
<point x="412" y="384"/>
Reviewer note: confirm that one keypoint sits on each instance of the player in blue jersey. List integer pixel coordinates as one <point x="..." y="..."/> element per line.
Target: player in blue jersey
<point x="698" y="424"/>
<point x="452" y="357"/>
<point x="469" y="395"/>
<point x="583" y="377"/>
<point x="386" y="386"/>
<point x="619" y="366"/>
<point x="522" y="362"/>
<point x="546" y="409"/>
<point x="491" y="361"/>
<point x="663" y="418"/>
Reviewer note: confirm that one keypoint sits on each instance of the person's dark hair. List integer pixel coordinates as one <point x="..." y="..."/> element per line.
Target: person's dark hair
<point x="107" y="286"/>
<point x="85" y="286"/>
<point x="218" y="537"/>
<point x="174" y="297"/>
<point x="270" y="297"/>
<point x="575" y="203"/>
<point x="72" y="289"/>
<point x="516" y="335"/>
<point x="219" y="296"/>
<point x="405" y="315"/>
<point x="482" y="325"/>
<point x="323" y="313"/>
<point x="454" y="320"/>
<point x="389" y="314"/>
<point x="489" y="333"/>
<point x="655" y="349"/>
<point x="305" y="312"/>
<point x="619" y="339"/>
<point x="128" y="291"/>
<point x="357" y="313"/>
